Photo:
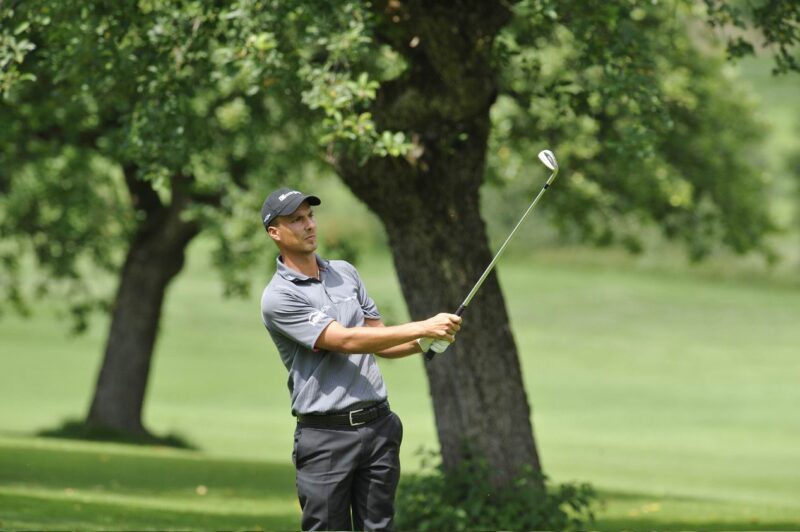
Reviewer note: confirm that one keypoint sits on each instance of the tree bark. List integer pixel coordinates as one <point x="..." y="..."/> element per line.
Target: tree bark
<point x="155" y="257"/>
<point x="429" y="204"/>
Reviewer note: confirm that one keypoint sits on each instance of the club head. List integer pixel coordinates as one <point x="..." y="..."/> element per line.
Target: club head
<point x="548" y="159"/>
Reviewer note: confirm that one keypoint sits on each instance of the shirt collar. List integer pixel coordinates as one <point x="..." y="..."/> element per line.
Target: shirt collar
<point x="293" y="275"/>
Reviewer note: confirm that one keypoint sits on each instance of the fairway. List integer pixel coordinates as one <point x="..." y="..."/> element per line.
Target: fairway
<point x="672" y="393"/>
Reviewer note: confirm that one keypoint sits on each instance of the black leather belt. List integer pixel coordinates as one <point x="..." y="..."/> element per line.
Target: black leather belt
<point x="352" y="418"/>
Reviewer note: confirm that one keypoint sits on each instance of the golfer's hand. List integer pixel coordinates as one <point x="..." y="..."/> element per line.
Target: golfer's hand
<point x="442" y="327"/>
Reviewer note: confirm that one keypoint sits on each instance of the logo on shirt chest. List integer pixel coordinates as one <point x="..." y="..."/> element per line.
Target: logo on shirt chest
<point x="339" y="299"/>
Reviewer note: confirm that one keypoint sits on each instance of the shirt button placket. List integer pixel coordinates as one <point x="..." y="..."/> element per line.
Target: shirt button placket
<point x="325" y="291"/>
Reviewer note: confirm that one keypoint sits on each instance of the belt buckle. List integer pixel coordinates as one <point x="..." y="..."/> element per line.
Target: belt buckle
<point x="350" y="417"/>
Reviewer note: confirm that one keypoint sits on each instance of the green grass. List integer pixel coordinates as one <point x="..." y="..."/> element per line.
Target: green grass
<point x="672" y="391"/>
<point x="77" y="485"/>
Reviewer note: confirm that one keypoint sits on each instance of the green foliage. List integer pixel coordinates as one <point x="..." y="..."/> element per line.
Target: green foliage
<point x="652" y="130"/>
<point x="231" y="99"/>
<point x="14" y="46"/>
<point x="142" y="94"/>
<point x="341" y="85"/>
<point x="224" y="100"/>
<point x="464" y="499"/>
<point x="776" y="23"/>
<point x="67" y="226"/>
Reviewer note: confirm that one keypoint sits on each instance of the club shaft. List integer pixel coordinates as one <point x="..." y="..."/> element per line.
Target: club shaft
<point x="430" y="353"/>
<point x="489" y="268"/>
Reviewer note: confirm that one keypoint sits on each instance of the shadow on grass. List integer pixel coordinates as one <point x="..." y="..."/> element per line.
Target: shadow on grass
<point x="154" y="472"/>
<point x="82" y="486"/>
<point x="73" y="429"/>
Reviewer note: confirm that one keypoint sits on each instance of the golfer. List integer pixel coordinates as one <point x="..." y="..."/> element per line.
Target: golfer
<point x="327" y="330"/>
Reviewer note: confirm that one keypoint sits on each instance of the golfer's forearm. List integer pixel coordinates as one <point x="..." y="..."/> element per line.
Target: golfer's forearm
<point x="368" y="339"/>
<point x="398" y="351"/>
<point x="402" y="350"/>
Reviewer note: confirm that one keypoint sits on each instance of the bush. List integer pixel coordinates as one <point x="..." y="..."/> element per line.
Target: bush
<point x="464" y="499"/>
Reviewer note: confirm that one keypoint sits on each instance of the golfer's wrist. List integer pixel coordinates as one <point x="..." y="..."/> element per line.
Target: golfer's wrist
<point x="419" y="330"/>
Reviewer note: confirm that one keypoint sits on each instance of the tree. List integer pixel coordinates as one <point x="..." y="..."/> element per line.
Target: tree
<point x="194" y="107"/>
<point x="129" y="128"/>
<point x="132" y="127"/>
<point x="464" y="59"/>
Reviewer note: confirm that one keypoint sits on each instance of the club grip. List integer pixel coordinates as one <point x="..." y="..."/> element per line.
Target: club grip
<point x="430" y="353"/>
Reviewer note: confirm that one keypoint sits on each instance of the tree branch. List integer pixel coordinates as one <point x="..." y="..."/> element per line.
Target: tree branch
<point x="143" y="195"/>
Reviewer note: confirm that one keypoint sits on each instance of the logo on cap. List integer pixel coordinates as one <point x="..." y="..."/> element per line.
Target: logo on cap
<point x="267" y="217"/>
<point x="287" y="194"/>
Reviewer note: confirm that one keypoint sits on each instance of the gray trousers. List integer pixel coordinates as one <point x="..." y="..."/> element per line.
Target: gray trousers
<point x="347" y="476"/>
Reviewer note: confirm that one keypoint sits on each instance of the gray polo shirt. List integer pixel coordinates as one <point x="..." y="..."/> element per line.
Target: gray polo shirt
<point x="296" y="309"/>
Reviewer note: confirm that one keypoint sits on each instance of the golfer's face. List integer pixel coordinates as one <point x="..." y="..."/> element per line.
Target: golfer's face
<point x="297" y="231"/>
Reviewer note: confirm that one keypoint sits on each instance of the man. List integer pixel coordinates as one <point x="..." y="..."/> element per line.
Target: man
<point x="326" y="329"/>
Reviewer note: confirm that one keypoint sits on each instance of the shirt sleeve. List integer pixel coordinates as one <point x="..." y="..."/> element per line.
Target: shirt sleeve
<point x="294" y="317"/>
<point x="368" y="306"/>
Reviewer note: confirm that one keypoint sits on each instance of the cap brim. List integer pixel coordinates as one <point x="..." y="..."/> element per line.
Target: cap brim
<point x="295" y="202"/>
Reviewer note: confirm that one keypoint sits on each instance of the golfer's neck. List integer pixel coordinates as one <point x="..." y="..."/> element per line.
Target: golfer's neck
<point x="305" y="263"/>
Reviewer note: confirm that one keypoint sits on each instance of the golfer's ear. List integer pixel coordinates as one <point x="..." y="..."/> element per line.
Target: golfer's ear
<point x="273" y="233"/>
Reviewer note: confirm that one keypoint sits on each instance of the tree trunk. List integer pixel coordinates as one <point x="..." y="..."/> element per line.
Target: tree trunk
<point x="155" y="257"/>
<point x="429" y="204"/>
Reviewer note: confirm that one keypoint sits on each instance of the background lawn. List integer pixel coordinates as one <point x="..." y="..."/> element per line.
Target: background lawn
<point x="674" y="393"/>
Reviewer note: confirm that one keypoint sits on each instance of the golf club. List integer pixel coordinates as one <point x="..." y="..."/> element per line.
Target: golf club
<point x="549" y="160"/>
